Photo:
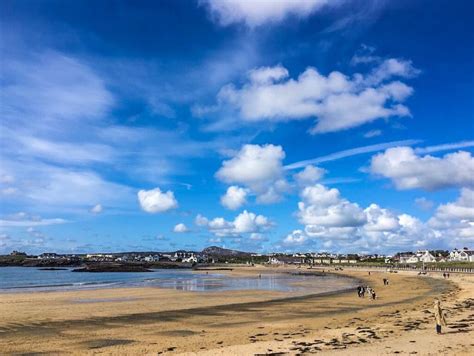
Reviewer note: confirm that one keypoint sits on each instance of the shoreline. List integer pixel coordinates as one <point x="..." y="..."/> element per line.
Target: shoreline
<point x="91" y="285"/>
<point x="152" y="320"/>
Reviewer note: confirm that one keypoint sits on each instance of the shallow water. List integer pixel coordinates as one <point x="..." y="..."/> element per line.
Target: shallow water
<point x="22" y="279"/>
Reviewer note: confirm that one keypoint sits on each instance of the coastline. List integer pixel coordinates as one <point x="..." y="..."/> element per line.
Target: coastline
<point x="153" y="320"/>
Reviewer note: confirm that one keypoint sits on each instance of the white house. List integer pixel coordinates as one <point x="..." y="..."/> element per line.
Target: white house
<point x="426" y="257"/>
<point x="190" y="259"/>
<point x="274" y="261"/>
<point x="152" y="258"/>
<point x="419" y="256"/>
<point x="48" y="256"/>
<point x="413" y="259"/>
<point x="404" y="257"/>
<point x="464" y="255"/>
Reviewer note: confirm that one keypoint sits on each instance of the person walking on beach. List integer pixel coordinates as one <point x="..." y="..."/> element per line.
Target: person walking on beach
<point x="439" y="316"/>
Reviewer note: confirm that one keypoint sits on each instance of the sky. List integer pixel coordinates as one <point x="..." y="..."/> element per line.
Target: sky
<point x="266" y="126"/>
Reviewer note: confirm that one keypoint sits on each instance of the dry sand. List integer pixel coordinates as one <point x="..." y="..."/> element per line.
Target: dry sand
<point x="136" y="321"/>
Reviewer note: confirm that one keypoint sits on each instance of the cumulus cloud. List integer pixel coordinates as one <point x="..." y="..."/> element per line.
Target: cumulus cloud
<point x="407" y="170"/>
<point x="256" y="13"/>
<point x="455" y="220"/>
<point x="324" y="207"/>
<point x="253" y="165"/>
<point x="97" y="209"/>
<point x="155" y="201"/>
<point x="462" y="208"/>
<point x="379" y="219"/>
<point x="180" y="228"/>
<point x="310" y="174"/>
<point x="296" y="237"/>
<point x="234" y="197"/>
<point x="258" y="168"/>
<point x="244" y="224"/>
<point x="336" y="101"/>
<point x="335" y="222"/>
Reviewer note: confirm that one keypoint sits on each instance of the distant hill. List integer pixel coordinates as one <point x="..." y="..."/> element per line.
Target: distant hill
<point x="219" y="251"/>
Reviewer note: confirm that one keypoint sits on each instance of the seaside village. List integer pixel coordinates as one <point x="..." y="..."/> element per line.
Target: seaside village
<point x="220" y="255"/>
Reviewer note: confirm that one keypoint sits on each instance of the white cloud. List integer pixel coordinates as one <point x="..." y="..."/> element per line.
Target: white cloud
<point x="265" y="75"/>
<point x="462" y="209"/>
<point x="244" y="224"/>
<point x="258" y="168"/>
<point x="253" y="165"/>
<point x="310" y="174"/>
<point x="64" y="188"/>
<point x="351" y="152"/>
<point x="201" y="220"/>
<point x="64" y="152"/>
<point x="25" y="220"/>
<point x="297" y="237"/>
<point x="97" y="209"/>
<point x="392" y="67"/>
<point x="324" y="207"/>
<point x="424" y="204"/>
<point x="409" y="171"/>
<point x="379" y="219"/>
<point x="259" y="12"/>
<point x="249" y="222"/>
<point x="52" y="86"/>
<point x="372" y="133"/>
<point x="455" y="220"/>
<point x="274" y="192"/>
<point x="58" y="138"/>
<point x="180" y="228"/>
<point x="336" y="101"/>
<point x="234" y="197"/>
<point x="365" y="55"/>
<point x="341" y="225"/>
<point x="444" y="147"/>
<point x="156" y="201"/>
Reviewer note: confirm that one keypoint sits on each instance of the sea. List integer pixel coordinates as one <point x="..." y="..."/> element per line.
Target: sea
<point x="24" y="279"/>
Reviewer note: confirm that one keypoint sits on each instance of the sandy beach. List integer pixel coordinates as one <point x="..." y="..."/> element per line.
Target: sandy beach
<point x="137" y="321"/>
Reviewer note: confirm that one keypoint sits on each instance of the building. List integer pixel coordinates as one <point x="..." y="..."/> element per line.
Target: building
<point x="152" y="258"/>
<point x="48" y="256"/>
<point x="183" y="256"/>
<point x="464" y="255"/>
<point x="191" y="259"/>
<point x="426" y="257"/>
<point x="276" y="260"/>
<point x="405" y="257"/>
<point x="100" y="257"/>
<point x="420" y="256"/>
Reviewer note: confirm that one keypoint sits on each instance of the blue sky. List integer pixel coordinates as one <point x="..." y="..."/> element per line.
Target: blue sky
<point x="343" y="126"/>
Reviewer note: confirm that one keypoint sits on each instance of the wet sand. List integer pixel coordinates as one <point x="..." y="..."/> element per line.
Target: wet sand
<point x="160" y="321"/>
